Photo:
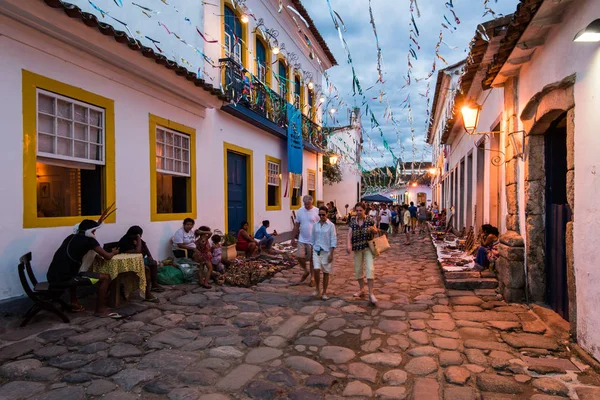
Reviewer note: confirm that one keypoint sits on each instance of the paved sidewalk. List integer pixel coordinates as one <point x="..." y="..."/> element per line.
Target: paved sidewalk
<point x="275" y="341"/>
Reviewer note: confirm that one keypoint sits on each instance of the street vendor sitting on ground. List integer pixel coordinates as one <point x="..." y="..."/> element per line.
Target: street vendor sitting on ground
<point x="132" y="243"/>
<point x="245" y="241"/>
<point x="487" y="252"/>
<point x="65" y="265"/>
<point x="203" y="247"/>
<point x="266" y="240"/>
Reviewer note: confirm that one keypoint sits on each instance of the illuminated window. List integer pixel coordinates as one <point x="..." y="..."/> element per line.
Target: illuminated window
<point x="68" y="154"/>
<point x="172" y="172"/>
<point x="283" y="81"/>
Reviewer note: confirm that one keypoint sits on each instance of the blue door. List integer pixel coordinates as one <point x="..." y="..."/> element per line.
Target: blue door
<point x="237" y="207"/>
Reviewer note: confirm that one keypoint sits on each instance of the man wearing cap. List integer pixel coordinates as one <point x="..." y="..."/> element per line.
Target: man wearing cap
<point x="65" y="265"/>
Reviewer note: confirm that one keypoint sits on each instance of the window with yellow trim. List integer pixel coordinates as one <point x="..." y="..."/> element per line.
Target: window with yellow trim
<point x="311" y="184"/>
<point x="172" y="167"/>
<point x="69" y="148"/>
<point x="172" y="171"/>
<point x="296" y="190"/>
<point x="273" y="184"/>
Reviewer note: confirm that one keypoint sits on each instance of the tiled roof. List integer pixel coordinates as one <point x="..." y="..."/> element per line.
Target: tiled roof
<point x="135" y="45"/>
<point x="474" y="60"/>
<point x="300" y="8"/>
<point x="521" y="19"/>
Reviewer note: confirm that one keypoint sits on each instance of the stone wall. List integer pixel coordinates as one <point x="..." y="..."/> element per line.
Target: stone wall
<point x="537" y="117"/>
<point x="510" y="263"/>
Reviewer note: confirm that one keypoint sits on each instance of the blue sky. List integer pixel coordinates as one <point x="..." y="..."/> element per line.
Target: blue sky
<point x="392" y="19"/>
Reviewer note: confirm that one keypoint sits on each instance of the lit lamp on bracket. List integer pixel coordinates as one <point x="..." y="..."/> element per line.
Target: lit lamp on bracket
<point x="590" y="34"/>
<point x="470" y="115"/>
<point x="333" y="159"/>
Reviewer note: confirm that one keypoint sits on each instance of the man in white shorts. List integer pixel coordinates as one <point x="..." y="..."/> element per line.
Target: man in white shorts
<point x="306" y="217"/>
<point x="324" y="242"/>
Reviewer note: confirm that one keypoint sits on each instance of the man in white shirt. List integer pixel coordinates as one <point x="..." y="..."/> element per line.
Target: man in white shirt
<point x="306" y="217"/>
<point x="384" y="219"/>
<point x="184" y="238"/>
<point x="324" y="242"/>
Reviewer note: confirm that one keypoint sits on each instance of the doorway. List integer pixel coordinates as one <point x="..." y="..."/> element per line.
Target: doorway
<point x="237" y="191"/>
<point x="479" y="198"/>
<point x="558" y="213"/>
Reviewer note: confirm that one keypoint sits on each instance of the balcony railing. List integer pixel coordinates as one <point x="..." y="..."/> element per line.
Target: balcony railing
<point x="246" y="90"/>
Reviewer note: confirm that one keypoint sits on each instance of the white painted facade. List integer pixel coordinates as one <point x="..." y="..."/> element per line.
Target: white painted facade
<point x="45" y="41"/>
<point x="412" y="193"/>
<point x="558" y="58"/>
<point x="346" y="141"/>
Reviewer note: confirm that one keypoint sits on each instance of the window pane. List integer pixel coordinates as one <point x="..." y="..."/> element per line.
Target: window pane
<point x="185" y="168"/>
<point x="64" y="109"/>
<point x="64" y="128"/>
<point x="46" y="104"/>
<point x="81" y="149"/>
<point x="81" y="114"/>
<point x="185" y="156"/>
<point x="171" y="194"/>
<point x="159" y="163"/>
<point x="45" y="143"/>
<point x="177" y="141"/>
<point x="63" y="147"/>
<point x="169" y="137"/>
<point x="68" y="192"/>
<point x="160" y="135"/>
<point x="177" y="153"/>
<point x="45" y="124"/>
<point x="169" y="151"/>
<point x="272" y="195"/>
<point x="168" y="164"/>
<point x="185" y="142"/>
<point x="81" y="132"/>
<point x="95" y="152"/>
<point x="95" y="135"/>
<point x="96" y="118"/>
<point x="160" y="150"/>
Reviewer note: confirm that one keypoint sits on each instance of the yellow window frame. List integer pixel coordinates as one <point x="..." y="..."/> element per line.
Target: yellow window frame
<point x="31" y="82"/>
<point x="295" y="207"/>
<point x="155" y="121"/>
<point x="268" y="73"/>
<point x="313" y="192"/>
<point x="277" y="206"/>
<point x="229" y="147"/>
<point x="244" y="38"/>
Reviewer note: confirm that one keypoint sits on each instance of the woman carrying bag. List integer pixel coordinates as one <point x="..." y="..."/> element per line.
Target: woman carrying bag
<point x="362" y="229"/>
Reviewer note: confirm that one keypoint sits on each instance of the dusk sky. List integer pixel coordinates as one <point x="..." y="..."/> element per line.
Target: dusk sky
<point x="392" y="20"/>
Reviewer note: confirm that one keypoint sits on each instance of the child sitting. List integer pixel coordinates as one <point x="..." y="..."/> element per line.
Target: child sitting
<point x="216" y="254"/>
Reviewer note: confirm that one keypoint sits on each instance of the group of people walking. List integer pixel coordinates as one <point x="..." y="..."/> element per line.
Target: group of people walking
<point x="316" y="238"/>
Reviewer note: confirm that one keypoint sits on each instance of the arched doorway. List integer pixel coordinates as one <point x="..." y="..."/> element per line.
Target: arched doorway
<point x="549" y="193"/>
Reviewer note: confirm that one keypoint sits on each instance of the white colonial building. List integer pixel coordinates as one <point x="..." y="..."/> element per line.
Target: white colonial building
<point x="167" y="109"/>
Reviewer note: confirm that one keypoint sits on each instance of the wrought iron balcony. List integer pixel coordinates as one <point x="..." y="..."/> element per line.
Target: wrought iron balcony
<point x="244" y="89"/>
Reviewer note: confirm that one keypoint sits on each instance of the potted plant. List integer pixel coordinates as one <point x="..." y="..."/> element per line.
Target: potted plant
<point x="229" y="252"/>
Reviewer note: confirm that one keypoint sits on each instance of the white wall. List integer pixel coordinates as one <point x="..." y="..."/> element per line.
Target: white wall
<point x="558" y="58"/>
<point x="135" y="98"/>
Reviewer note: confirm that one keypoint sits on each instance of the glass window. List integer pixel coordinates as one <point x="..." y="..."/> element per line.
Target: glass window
<point x="273" y="183"/>
<point x="70" y="156"/>
<point x="173" y="174"/>
<point x="283" y="90"/>
<point x="233" y="35"/>
<point x="311" y="183"/>
<point x="296" y="189"/>
<point x="261" y="61"/>
<point x="297" y="92"/>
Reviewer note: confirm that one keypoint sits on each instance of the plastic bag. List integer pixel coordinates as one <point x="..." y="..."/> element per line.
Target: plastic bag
<point x="190" y="272"/>
<point x="169" y="275"/>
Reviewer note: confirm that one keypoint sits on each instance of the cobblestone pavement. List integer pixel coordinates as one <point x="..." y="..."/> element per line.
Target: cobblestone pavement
<point x="275" y="341"/>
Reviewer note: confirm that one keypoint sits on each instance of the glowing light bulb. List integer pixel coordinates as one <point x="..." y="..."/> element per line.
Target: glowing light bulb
<point x="322" y="99"/>
<point x="332" y="111"/>
<point x="244" y="18"/>
<point x="311" y="85"/>
<point x="276" y="50"/>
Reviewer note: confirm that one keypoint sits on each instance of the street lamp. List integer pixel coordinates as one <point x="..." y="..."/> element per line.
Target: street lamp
<point x="414" y="184"/>
<point x="244" y="18"/>
<point x="333" y="159"/>
<point x="332" y="111"/>
<point x="311" y="85"/>
<point x="432" y="171"/>
<point x="591" y="33"/>
<point x="276" y="50"/>
<point x="470" y="114"/>
<point x="322" y="99"/>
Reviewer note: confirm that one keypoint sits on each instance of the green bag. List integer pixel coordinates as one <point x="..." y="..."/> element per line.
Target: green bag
<point x="169" y="275"/>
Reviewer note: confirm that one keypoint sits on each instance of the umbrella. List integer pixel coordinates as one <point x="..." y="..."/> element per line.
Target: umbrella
<point x="377" y="198"/>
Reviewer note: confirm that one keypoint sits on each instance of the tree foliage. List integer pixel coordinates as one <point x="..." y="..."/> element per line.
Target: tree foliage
<point x="332" y="173"/>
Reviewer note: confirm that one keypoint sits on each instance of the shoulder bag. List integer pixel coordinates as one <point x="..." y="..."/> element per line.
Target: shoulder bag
<point x="378" y="245"/>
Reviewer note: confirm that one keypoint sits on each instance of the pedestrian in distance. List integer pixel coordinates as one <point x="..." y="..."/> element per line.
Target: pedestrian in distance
<point x="324" y="242"/>
<point x="406" y="218"/>
<point x="362" y="229"/>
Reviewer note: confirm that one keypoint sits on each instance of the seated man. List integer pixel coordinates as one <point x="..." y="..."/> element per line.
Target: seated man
<point x="266" y="240"/>
<point x="185" y="239"/>
<point x="132" y="243"/>
<point x="65" y="265"/>
<point x="488" y="251"/>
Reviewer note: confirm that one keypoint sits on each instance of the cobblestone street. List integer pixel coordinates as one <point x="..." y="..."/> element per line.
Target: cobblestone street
<point x="275" y="341"/>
